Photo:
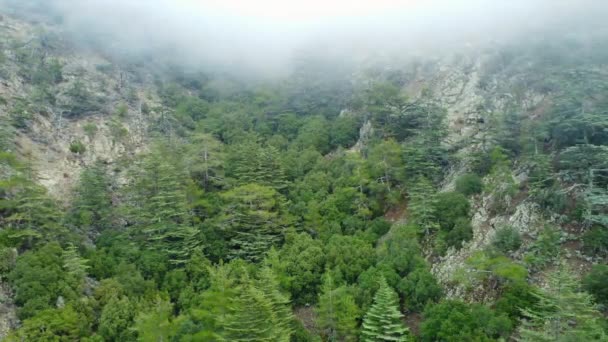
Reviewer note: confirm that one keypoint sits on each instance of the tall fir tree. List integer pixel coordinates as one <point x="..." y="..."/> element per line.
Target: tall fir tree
<point x="382" y="322"/>
<point x="252" y="318"/>
<point x="337" y="312"/>
<point x="253" y="219"/>
<point x="160" y="208"/>
<point x="562" y="313"/>
<point x="423" y="200"/>
<point x="280" y="303"/>
<point x="92" y="205"/>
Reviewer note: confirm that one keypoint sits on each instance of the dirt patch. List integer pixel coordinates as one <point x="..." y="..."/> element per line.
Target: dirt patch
<point x="307" y="316"/>
<point x="412" y="321"/>
<point x="397" y="212"/>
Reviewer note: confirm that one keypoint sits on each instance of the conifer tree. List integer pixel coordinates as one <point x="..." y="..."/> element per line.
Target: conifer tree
<point x="280" y="303"/>
<point x="422" y="205"/>
<point x="73" y="263"/>
<point x="253" y="219"/>
<point x="382" y="322"/>
<point x="251" y="318"/>
<point x="92" y="207"/>
<point x="562" y="313"/>
<point x="250" y="162"/>
<point x="160" y="208"/>
<point x="337" y="312"/>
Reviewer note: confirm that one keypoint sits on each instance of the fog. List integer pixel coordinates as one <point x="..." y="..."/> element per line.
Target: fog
<point x="263" y="36"/>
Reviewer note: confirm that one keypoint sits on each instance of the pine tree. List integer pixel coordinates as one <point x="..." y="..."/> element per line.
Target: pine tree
<point x="249" y="162"/>
<point x="253" y="219"/>
<point x="160" y="208"/>
<point x="422" y="204"/>
<point x="562" y="313"/>
<point x="92" y="206"/>
<point x="27" y="213"/>
<point x="73" y="263"/>
<point x="382" y="322"/>
<point x="251" y="318"/>
<point x="280" y="304"/>
<point x="154" y="324"/>
<point x="337" y="312"/>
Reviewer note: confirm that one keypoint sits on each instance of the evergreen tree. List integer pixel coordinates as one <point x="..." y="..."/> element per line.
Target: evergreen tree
<point x="280" y="303"/>
<point x="116" y="319"/>
<point x="562" y="313"/>
<point x="154" y="324"/>
<point x="382" y="322"/>
<point x="73" y="263"/>
<point x="423" y="201"/>
<point x="253" y="219"/>
<point x="27" y="213"/>
<point x="160" y="209"/>
<point x="249" y="162"/>
<point x="337" y="312"/>
<point x="92" y="205"/>
<point x="252" y="318"/>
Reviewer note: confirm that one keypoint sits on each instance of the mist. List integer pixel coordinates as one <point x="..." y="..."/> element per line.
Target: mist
<point x="264" y="37"/>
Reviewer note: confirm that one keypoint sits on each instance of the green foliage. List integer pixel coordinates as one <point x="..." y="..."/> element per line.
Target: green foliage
<point x="116" y="319"/>
<point x="515" y="297"/>
<point x="92" y="204"/>
<point x="122" y="110"/>
<point x="497" y="268"/>
<point x="302" y="261"/>
<point x="252" y="220"/>
<point x="158" y="207"/>
<point x="154" y="323"/>
<point x="423" y="201"/>
<point x="469" y="184"/>
<point x="63" y="324"/>
<point x="546" y="247"/>
<point x="595" y="241"/>
<point x="419" y="288"/>
<point x="249" y="162"/>
<point x="337" y="312"/>
<point x="595" y="283"/>
<point x="77" y="147"/>
<point x="452" y="320"/>
<point x="382" y="322"/>
<point x="90" y="129"/>
<point x="81" y="100"/>
<point x="39" y="279"/>
<point x="451" y="206"/>
<point x="351" y="255"/>
<point x="344" y="131"/>
<point x="507" y="239"/>
<point x="562" y="313"/>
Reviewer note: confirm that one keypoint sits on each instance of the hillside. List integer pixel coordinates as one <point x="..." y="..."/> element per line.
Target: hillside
<point x="457" y="196"/>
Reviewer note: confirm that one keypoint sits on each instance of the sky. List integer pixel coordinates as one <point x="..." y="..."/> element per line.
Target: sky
<point x="264" y="35"/>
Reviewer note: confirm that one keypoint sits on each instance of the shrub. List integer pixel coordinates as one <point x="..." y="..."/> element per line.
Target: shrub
<point x="469" y="184"/>
<point x="90" y="129"/>
<point x="122" y="110"/>
<point x="507" y="239"/>
<point x="595" y="242"/>
<point x="77" y="147"/>
<point x="450" y="207"/>
<point x="545" y="248"/>
<point x="453" y="320"/>
<point x="595" y="283"/>
<point x="462" y="232"/>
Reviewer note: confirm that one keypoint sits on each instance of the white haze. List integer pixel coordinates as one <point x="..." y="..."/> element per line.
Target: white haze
<point x="262" y="36"/>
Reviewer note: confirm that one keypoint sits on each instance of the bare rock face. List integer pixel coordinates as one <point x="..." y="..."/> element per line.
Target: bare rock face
<point x="8" y="311"/>
<point x="365" y="134"/>
<point x="525" y="219"/>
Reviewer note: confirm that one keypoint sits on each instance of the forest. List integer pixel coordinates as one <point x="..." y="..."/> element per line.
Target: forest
<point x="310" y="208"/>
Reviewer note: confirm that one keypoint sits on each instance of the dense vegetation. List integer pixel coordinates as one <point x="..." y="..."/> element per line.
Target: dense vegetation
<point x="251" y="217"/>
